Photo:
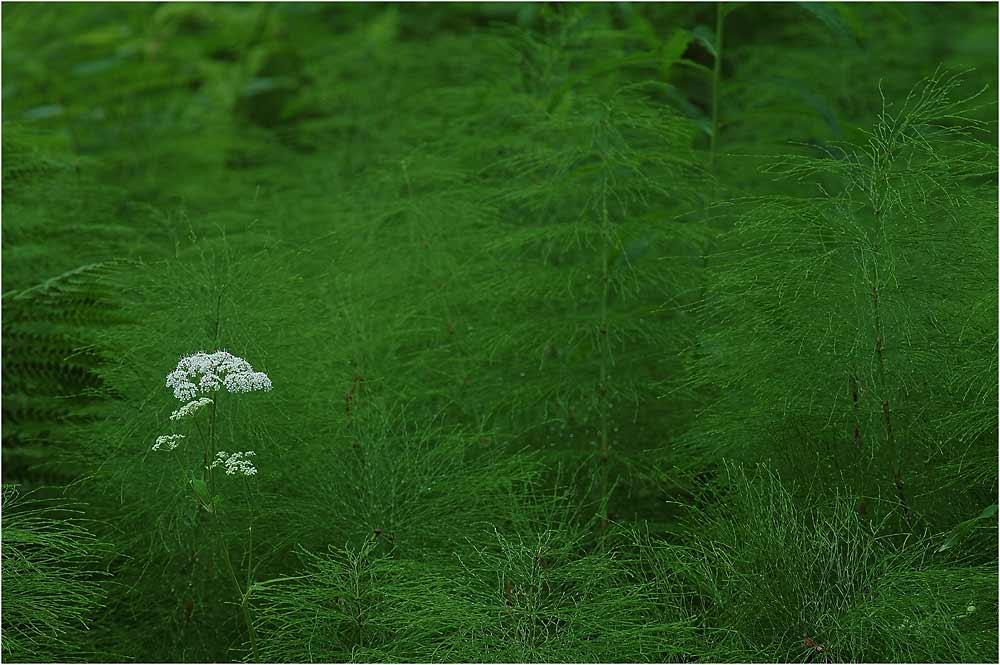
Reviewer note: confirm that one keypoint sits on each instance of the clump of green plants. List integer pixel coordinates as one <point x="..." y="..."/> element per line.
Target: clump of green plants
<point x="424" y="487"/>
<point x="191" y="516"/>
<point x="526" y="588"/>
<point x="773" y="576"/>
<point x="598" y="332"/>
<point x="546" y="286"/>
<point x="841" y="294"/>
<point x="54" y="584"/>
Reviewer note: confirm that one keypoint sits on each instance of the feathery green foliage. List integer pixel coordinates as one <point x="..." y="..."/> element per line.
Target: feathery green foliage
<point x="843" y="301"/>
<point x="597" y="332"/>
<point x="52" y="583"/>
<point x="767" y="568"/>
<point x="535" y="595"/>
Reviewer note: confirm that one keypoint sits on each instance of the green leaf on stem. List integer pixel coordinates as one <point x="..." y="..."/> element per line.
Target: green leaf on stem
<point x="201" y="492"/>
<point x="964" y="529"/>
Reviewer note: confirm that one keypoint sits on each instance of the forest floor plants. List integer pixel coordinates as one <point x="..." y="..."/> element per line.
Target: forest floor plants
<point x="578" y="194"/>
<point x="838" y="299"/>
<point x="394" y="208"/>
<point x="53" y="585"/>
<point x="525" y="589"/>
<point x="770" y="575"/>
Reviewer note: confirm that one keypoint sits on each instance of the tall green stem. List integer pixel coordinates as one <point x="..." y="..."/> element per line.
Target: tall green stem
<point x="211" y="444"/>
<point x="712" y="146"/>
<point x="880" y="208"/>
<point x="181" y="467"/>
<point x="716" y="78"/>
<point x="604" y="341"/>
<point x="250" y="505"/>
<point x="244" y="595"/>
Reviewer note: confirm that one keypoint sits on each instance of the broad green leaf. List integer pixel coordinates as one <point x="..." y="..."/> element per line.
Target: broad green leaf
<point x="964" y="529"/>
<point x="104" y="37"/>
<point x="384" y="30"/>
<point x="812" y="99"/>
<point x="706" y="36"/>
<point x="201" y="491"/>
<point x="675" y="46"/>
<point x="642" y="58"/>
<point x="707" y="71"/>
<point x="644" y="29"/>
<point x="829" y="15"/>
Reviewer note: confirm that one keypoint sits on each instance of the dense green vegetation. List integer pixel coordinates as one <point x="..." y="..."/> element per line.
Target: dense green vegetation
<point x="591" y="332"/>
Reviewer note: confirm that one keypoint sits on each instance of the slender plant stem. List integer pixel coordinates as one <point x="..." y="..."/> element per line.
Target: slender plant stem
<point x="881" y="163"/>
<point x="218" y="313"/>
<point x="858" y="436"/>
<point x="249" y="621"/>
<point x="211" y="445"/>
<point x="250" y="505"/>
<point x="712" y="145"/>
<point x="603" y="343"/>
<point x="244" y="595"/>
<point x="181" y="467"/>
<point x="716" y="79"/>
<point x="206" y="461"/>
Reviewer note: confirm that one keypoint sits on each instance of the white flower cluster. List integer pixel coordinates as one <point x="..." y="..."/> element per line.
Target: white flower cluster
<point x="236" y="463"/>
<point x="167" y="441"/>
<point x="212" y="371"/>
<point x="190" y="408"/>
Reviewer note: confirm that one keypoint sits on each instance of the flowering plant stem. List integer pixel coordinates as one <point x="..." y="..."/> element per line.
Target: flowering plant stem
<point x="211" y="445"/>
<point x="210" y="504"/>
<point x="180" y="465"/>
<point x="244" y="595"/>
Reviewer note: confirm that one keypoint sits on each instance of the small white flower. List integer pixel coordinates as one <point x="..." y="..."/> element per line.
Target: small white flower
<point x="213" y="371"/>
<point x="236" y="463"/>
<point x="190" y="408"/>
<point x="167" y="441"/>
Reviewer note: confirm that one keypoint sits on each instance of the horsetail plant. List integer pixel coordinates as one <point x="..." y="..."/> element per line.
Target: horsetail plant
<point x="829" y="295"/>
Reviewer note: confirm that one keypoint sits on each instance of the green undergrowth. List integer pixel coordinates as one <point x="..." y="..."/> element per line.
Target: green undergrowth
<point x="774" y="576"/>
<point x="529" y="590"/>
<point x="53" y="584"/>
<point x="605" y="332"/>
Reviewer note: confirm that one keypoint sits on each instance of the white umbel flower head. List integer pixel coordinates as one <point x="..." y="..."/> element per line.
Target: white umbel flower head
<point x="237" y="463"/>
<point x="202" y="373"/>
<point x="167" y="441"/>
<point x="189" y="408"/>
